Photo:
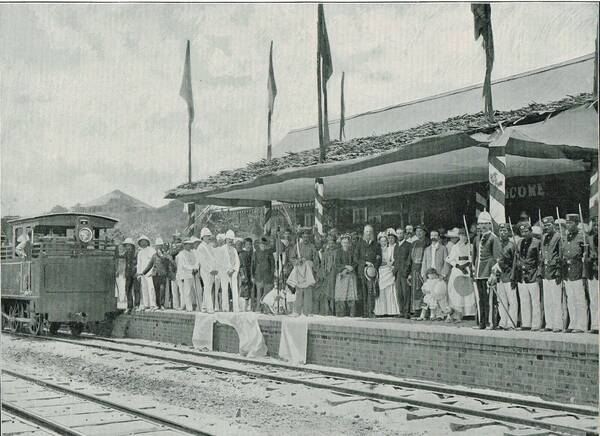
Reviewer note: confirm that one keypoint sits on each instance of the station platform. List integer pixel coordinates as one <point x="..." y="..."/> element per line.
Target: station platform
<point x="560" y="367"/>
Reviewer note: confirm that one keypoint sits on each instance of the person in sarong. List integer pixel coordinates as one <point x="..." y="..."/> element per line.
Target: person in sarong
<point x="386" y="303"/>
<point x="306" y="262"/>
<point x="345" y="282"/>
<point x="435" y="297"/>
<point x="323" y="303"/>
<point x="416" y="260"/>
<point x="460" y="286"/>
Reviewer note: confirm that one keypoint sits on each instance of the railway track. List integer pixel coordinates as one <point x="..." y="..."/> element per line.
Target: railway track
<point x="471" y="409"/>
<point x="51" y="408"/>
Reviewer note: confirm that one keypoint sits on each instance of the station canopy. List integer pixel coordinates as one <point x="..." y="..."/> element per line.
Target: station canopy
<point x="551" y="127"/>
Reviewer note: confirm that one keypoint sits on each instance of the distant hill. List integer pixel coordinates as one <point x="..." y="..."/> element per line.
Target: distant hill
<point x="135" y="217"/>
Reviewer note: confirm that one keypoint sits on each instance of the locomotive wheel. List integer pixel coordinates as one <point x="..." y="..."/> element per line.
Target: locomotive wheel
<point x="76" y="328"/>
<point x="35" y="326"/>
<point x="54" y="326"/>
<point x="12" y="323"/>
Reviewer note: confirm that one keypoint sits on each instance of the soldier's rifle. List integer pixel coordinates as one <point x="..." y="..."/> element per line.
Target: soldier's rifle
<point x="584" y="258"/>
<point x="563" y="291"/>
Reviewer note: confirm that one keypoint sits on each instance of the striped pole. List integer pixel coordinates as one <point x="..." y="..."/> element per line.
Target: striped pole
<point x="497" y="180"/>
<point x="480" y="204"/>
<point x="319" y="205"/>
<point x="594" y="191"/>
<point x="268" y="215"/>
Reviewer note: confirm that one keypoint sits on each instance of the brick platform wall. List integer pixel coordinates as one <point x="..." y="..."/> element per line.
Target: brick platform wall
<point x="552" y="369"/>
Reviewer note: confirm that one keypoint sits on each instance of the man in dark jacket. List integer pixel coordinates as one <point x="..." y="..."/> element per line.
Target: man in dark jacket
<point x="575" y="254"/>
<point x="550" y="269"/>
<point x="368" y="254"/>
<point x="159" y="264"/>
<point x="263" y="272"/>
<point x="487" y="251"/>
<point x="592" y="280"/>
<point x="526" y="276"/>
<point x="402" y="265"/>
<point x="131" y="283"/>
<point x="507" y="291"/>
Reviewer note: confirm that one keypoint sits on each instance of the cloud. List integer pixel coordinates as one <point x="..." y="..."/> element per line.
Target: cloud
<point x="90" y="92"/>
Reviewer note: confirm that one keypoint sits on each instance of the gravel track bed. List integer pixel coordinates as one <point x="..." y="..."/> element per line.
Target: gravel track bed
<point x="226" y="403"/>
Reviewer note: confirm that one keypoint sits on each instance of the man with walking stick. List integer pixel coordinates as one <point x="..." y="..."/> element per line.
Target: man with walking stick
<point x="487" y="251"/>
<point x="505" y="288"/>
<point x="575" y="256"/>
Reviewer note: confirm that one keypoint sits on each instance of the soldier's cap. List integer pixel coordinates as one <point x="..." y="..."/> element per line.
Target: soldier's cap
<point x="524" y="226"/>
<point x="573" y="217"/>
<point x="422" y="227"/>
<point x="560" y="221"/>
<point x="548" y="220"/>
<point x="504" y="226"/>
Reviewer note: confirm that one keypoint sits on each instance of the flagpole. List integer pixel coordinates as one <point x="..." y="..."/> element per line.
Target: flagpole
<point x="190" y="151"/>
<point x="269" y="150"/>
<point x="321" y="145"/>
<point x="342" y="110"/>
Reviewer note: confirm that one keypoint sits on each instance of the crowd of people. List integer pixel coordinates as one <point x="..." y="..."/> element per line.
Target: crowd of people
<point x="541" y="277"/>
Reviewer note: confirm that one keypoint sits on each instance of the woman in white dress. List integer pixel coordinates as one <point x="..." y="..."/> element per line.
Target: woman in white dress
<point x="386" y="303"/>
<point x="460" y="286"/>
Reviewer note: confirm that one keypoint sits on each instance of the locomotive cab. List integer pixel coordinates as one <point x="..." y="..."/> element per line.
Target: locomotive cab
<point x="57" y="269"/>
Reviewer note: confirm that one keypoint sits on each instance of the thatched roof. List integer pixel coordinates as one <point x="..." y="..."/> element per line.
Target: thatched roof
<point x="368" y="146"/>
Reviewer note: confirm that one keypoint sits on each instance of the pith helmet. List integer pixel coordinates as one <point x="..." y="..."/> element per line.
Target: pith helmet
<point x="484" y="218"/>
<point x="205" y="232"/>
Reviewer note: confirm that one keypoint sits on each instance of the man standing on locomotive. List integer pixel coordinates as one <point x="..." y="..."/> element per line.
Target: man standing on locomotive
<point x="144" y="257"/>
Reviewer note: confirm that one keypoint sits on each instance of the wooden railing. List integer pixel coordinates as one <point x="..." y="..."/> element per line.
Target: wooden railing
<point x="62" y="248"/>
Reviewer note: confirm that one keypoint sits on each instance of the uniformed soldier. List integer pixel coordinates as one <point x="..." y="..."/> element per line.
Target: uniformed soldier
<point x="574" y="251"/>
<point x="507" y="292"/>
<point x="593" y="274"/>
<point x="550" y="270"/>
<point x="526" y="273"/>
<point x="487" y="251"/>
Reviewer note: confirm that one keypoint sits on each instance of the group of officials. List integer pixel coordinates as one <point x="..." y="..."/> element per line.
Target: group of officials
<point x="540" y="277"/>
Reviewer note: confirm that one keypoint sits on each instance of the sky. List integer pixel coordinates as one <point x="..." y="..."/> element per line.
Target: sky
<point x="89" y="93"/>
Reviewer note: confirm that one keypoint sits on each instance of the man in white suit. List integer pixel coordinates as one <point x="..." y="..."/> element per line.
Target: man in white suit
<point x="208" y="268"/>
<point x="229" y="267"/>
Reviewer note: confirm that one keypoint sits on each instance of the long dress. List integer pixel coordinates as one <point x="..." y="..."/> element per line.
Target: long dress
<point x="386" y="303"/>
<point x="460" y="287"/>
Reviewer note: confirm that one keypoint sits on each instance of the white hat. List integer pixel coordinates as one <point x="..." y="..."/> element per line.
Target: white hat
<point x="205" y="232"/>
<point x="158" y="241"/>
<point x="220" y="236"/>
<point x="484" y="218"/>
<point x="194" y="239"/>
<point x="128" y="241"/>
<point x="229" y="234"/>
<point x="188" y="241"/>
<point x="391" y="231"/>
<point x="453" y="233"/>
<point x="142" y="238"/>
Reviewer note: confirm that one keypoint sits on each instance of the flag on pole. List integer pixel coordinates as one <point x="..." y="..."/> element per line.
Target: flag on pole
<point x="482" y="15"/>
<point x="190" y="209"/>
<point x="272" y="89"/>
<point x="326" y="67"/>
<point x="186" y="84"/>
<point x="342" y="112"/>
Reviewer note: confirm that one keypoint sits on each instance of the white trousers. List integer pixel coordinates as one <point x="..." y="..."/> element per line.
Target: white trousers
<point x="206" y="302"/>
<point x="553" y="305"/>
<point x="593" y="290"/>
<point x="576" y="304"/>
<point x="186" y="290"/>
<point x="148" y="294"/>
<point x="175" y="303"/>
<point x="531" y="310"/>
<point x="226" y="280"/>
<point x="507" y="299"/>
